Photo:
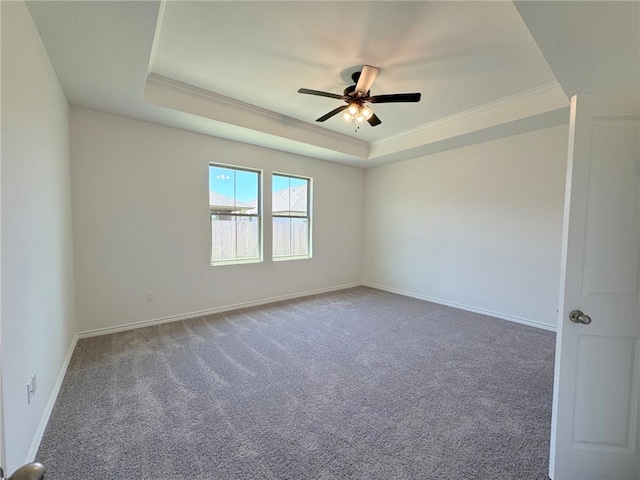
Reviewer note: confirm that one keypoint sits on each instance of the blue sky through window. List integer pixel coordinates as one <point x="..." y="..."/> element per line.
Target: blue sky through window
<point x="243" y="185"/>
<point x="239" y="184"/>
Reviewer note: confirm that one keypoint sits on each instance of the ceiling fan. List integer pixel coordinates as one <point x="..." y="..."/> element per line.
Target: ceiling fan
<point x="356" y="96"/>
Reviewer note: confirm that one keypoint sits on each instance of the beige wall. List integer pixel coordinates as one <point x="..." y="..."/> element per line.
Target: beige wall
<point x="478" y="227"/>
<point x="141" y="223"/>
<point x="38" y="322"/>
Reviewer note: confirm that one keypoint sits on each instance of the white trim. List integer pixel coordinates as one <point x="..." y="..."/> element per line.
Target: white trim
<point x="212" y="97"/>
<point x="44" y="421"/>
<point x="530" y="104"/>
<point x="551" y="92"/>
<point x="200" y="313"/>
<point x="360" y="148"/>
<point x="156" y="35"/>
<point x="482" y="311"/>
<point x="255" y="303"/>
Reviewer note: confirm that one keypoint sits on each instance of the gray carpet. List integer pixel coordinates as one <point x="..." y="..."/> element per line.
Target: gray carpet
<point x="355" y="384"/>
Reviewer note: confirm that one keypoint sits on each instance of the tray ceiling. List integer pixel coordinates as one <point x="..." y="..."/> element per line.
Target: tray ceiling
<point x="232" y="69"/>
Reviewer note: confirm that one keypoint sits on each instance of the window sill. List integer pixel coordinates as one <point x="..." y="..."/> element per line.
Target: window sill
<point x="219" y="263"/>
<point x="291" y="257"/>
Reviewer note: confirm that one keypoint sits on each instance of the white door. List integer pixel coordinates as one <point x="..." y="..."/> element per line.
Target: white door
<point x="595" y="432"/>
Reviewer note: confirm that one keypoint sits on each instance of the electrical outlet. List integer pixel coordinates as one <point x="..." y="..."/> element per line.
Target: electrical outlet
<point x="31" y="388"/>
<point x="151" y="296"/>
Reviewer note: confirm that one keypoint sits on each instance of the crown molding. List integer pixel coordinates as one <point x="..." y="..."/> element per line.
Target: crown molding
<point x="166" y="92"/>
<point x="156" y="35"/>
<point x="535" y="101"/>
<point x="539" y="104"/>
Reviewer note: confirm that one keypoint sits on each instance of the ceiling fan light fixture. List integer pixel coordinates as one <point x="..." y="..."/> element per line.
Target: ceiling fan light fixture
<point x="356" y="113"/>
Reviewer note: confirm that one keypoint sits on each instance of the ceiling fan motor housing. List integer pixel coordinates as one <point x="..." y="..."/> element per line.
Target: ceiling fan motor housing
<point x="348" y="92"/>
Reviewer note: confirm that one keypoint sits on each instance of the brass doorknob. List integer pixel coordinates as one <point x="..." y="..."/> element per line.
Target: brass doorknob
<point x="577" y="316"/>
<point x="30" y="471"/>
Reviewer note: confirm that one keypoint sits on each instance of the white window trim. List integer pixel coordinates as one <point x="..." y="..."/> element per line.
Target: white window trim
<point x="259" y="216"/>
<point x="309" y="254"/>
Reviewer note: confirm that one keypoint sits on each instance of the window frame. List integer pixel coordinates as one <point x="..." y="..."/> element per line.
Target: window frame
<point x="308" y="217"/>
<point x="259" y="215"/>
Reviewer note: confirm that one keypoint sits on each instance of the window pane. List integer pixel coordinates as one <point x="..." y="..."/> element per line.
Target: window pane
<point x="290" y="207"/>
<point x="299" y="236"/>
<point x="235" y="214"/>
<point x="233" y="191"/>
<point x="281" y="237"/>
<point x="299" y="193"/>
<point x="221" y="189"/>
<point x="290" y="236"/>
<point x="289" y="196"/>
<point x="247" y="189"/>
<point x="234" y="238"/>
<point x="280" y="199"/>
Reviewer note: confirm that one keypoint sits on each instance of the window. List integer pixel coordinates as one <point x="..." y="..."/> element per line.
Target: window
<point x="234" y="205"/>
<point x="291" y="216"/>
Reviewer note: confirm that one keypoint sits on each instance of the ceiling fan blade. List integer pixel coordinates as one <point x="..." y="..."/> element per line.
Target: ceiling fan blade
<point x="321" y="94"/>
<point x="367" y="76"/>
<point x="333" y="112"/>
<point x="395" y="98"/>
<point x="374" y="120"/>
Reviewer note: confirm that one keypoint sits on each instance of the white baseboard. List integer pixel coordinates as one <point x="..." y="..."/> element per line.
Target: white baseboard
<point x="512" y="318"/>
<point x="200" y="313"/>
<point x="42" y="426"/>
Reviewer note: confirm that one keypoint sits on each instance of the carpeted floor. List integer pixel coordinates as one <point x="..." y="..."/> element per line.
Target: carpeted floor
<point x="354" y="384"/>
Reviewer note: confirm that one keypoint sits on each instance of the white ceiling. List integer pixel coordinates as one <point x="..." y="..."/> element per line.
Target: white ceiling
<point x="232" y="69"/>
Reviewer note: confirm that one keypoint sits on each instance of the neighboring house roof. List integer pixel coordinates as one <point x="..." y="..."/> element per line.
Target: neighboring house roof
<point x="290" y="201"/>
<point x="222" y="203"/>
